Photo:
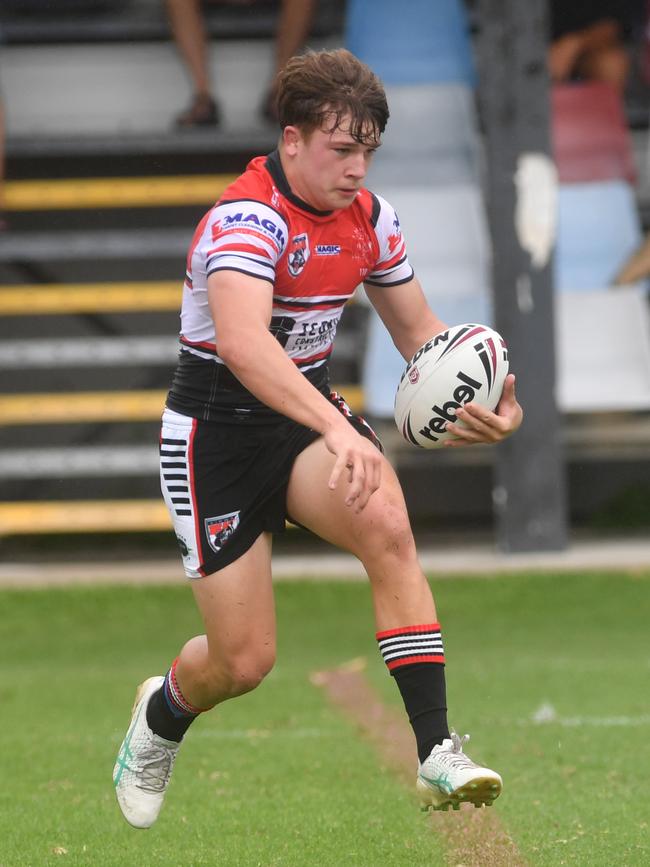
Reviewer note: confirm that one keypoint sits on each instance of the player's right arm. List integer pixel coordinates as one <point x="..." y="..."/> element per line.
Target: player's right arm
<point x="241" y="307"/>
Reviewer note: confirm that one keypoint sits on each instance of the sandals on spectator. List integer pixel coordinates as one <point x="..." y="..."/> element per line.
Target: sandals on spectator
<point x="203" y="111"/>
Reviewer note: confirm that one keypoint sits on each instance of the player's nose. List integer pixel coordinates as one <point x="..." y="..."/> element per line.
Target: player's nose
<point x="357" y="167"/>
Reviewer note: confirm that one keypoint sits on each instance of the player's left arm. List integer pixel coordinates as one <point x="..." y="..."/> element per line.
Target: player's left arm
<point x="410" y="322"/>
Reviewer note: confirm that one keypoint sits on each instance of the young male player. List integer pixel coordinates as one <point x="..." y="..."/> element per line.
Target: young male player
<point x="251" y="434"/>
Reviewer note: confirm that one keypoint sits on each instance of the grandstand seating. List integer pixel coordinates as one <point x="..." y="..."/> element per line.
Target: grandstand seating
<point x="448" y="244"/>
<point x="599" y="223"/>
<point x="428" y="167"/>
<point x="103" y="199"/>
<point x="117" y="73"/>
<point x="429" y="42"/>
<point x="101" y="21"/>
<point x="598" y="228"/>
<point x="431" y="138"/>
<point x="84" y="366"/>
<point x="603" y="334"/>
<point x="90" y="273"/>
<point x="603" y="345"/>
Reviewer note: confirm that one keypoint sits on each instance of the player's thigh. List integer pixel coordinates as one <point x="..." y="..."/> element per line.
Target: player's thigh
<point x="381" y="524"/>
<point x="237" y="605"/>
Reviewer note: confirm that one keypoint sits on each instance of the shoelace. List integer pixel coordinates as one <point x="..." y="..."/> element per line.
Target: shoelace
<point x="458" y="759"/>
<point x="155" y="769"/>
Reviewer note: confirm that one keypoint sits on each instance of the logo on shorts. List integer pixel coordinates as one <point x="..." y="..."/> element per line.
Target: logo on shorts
<point x="220" y="529"/>
<point x="298" y="254"/>
<point x="182" y="544"/>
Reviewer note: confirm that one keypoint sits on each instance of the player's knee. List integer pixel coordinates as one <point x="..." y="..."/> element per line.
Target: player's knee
<point x="244" y="671"/>
<point x="247" y="674"/>
<point x="388" y="535"/>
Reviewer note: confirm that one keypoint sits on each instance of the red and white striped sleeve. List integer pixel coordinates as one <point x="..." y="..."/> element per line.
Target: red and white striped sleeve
<point x="245" y="236"/>
<point x="392" y="266"/>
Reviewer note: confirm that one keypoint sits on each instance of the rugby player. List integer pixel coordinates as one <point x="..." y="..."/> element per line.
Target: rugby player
<point x="252" y="436"/>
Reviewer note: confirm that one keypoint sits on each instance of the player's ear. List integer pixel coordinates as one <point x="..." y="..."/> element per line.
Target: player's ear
<point x="291" y="138"/>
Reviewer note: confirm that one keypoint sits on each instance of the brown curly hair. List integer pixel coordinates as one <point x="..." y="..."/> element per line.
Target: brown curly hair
<point x="316" y="90"/>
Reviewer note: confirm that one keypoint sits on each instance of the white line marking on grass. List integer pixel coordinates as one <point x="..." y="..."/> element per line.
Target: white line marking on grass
<point x="605" y="721"/>
<point x="546" y="714"/>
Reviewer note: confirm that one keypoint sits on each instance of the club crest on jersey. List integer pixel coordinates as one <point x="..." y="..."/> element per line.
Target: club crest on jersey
<point x="298" y="254"/>
<point x="220" y="529"/>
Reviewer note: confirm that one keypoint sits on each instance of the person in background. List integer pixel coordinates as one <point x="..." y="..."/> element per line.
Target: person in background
<point x="189" y="33"/>
<point x="588" y="40"/>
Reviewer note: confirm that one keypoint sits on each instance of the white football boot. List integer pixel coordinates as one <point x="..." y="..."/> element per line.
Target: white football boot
<point x="448" y="776"/>
<point x="144" y="763"/>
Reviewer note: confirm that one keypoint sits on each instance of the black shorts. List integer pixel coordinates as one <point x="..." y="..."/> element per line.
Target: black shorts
<point x="225" y="484"/>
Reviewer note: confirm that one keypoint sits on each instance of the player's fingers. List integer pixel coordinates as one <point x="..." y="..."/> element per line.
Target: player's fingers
<point x="463" y="435"/>
<point x="465" y="430"/>
<point x="362" y="499"/>
<point x="457" y="442"/>
<point x="375" y="475"/>
<point x="508" y="393"/>
<point x="371" y="480"/>
<point x="374" y="468"/>
<point x="337" y="469"/>
<point x="476" y="416"/>
<point x="357" y="483"/>
<point x="481" y="421"/>
<point x="508" y="408"/>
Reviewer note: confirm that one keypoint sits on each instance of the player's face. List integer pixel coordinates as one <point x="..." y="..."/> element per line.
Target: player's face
<point x="328" y="167"/>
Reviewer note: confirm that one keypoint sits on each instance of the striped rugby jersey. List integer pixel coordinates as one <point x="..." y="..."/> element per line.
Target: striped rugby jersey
<point x="313" y="260"/>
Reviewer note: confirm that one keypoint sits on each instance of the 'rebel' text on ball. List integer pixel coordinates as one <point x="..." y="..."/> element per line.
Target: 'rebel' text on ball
<point x="466" y="363"/>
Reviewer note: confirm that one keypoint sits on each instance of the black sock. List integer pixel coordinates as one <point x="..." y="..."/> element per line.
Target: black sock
<point x="163" y="722"/>
<point x="424" y="693"/>
<point x="416" y="659"/>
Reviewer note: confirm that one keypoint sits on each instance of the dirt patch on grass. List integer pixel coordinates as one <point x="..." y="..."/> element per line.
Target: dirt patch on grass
<point x="473" y="837"/>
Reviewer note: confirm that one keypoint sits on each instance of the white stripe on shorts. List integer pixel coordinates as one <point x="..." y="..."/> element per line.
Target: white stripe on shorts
<point x="176" y="485"/>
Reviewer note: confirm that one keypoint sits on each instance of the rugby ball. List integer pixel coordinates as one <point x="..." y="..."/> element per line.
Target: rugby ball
<point x="466" y="363"/>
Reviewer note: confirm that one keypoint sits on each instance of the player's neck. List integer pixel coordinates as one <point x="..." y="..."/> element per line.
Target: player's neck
<point x="298" y="186"/>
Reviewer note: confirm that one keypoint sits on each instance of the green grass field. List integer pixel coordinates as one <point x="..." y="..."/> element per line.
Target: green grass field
<point x="280" y="776"/>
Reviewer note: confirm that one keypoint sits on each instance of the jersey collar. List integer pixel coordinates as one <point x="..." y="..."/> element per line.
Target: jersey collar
<point x="274" y="168"/>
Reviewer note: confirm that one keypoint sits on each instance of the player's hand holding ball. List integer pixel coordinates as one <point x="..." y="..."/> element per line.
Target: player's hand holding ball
<point x="457" y="390"/>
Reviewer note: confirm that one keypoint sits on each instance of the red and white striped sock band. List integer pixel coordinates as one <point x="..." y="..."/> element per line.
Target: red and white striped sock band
<point x="176" y="701"/>
<point x="410" y="645"/>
